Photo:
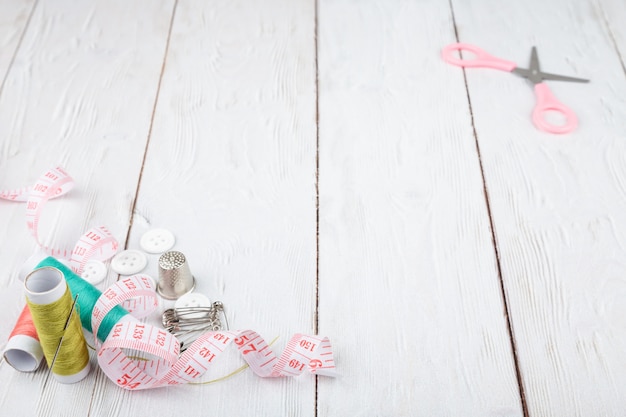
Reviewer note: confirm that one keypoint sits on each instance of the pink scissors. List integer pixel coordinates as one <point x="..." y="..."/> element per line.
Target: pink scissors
<point x="546" y="101"/>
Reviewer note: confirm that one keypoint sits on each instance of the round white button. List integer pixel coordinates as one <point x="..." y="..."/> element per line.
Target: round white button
<point x="157" y="241"/>
<point x="193" y="300"/>
<point x="129" y="262"/>
<point x="94" y="272"/>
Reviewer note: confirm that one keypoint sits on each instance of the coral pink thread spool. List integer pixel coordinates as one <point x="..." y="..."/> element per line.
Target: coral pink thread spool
<point x="23" y="351"/>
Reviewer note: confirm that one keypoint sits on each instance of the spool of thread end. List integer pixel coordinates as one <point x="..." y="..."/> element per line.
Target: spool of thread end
<point x="50" y="303"/>
<point x="23" y="351"/>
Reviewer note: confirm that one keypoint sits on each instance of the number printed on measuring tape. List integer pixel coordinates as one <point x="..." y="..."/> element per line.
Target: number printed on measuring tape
<point x="55" y="182"/>
<point x="96" y="243"/>
<point x="303" y="353"/>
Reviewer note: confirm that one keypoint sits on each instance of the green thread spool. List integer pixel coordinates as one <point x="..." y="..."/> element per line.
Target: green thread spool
<point x="88" y="295"/>
<point x="50" y="303"/>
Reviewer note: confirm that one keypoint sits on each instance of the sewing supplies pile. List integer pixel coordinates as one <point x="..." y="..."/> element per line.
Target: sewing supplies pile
<point x="62" y="300"/>
<point x="545" y="100"/>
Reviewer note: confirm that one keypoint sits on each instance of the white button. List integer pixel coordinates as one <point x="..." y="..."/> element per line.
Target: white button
<point x="129" y="262"/>
<point x="157" y="241"/>
<point x="193" y="300"/>
<point x="94" y="272"/>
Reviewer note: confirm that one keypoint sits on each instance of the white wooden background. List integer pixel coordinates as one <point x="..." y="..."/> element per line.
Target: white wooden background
<point x="325" y="171"/>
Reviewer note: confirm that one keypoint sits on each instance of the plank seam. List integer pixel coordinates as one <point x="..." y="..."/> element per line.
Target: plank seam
<point x="494" y="240"/>
<point x="317" y="188"/>
<point x="143" y="161"/>
<point x="154" y="107"/>
<point x="18" y="46"/>
<point x="611" y="35"/>
<point x="317" y="178"/>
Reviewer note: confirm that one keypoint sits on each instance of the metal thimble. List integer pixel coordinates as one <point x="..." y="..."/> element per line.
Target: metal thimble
<point x="175" y="279"/>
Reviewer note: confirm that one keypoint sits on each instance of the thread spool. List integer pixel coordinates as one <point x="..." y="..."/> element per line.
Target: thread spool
<point x="88" y="296"/>
<point x="23" y="351"/>
<point x="50" y="303"/>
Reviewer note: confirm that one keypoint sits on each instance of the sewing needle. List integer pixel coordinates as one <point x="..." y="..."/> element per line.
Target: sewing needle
<point x="56" y="353"/>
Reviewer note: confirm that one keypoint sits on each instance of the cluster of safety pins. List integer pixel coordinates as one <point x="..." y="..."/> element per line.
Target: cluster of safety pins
<point x="193" y="313"/>
<point x="187" y="323"/>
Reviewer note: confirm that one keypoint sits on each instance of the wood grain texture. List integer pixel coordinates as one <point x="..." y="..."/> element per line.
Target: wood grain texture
<point x="230" y="169"/>
<point x="614" y="14"/>
<point x="224" y="150"/>
<point x="558" y="201"/>
<point x="14" y="17"/>
<point x="408" y="279"/>
<point x="79" y="94"/>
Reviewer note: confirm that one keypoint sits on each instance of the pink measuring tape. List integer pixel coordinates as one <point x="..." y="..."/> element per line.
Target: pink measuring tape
<point x="302" y="353"/>
<point x="96" y="243"/>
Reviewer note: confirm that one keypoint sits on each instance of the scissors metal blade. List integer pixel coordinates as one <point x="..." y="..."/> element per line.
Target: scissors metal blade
<point x="534" y="60"/>
<point x="526" y="73"/>
<point x="535" y="75"/>
<point x="557" y="77"/>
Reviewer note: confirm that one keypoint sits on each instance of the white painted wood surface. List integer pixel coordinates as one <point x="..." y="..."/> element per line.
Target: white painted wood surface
<point x="14" y="18"/>
<point x="558" y="203"/>
<point x="319" y="166"/>
<point x="405" y="243"/>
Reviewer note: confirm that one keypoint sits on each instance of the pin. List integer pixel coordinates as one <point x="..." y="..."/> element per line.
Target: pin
<point x="187" y="323"/>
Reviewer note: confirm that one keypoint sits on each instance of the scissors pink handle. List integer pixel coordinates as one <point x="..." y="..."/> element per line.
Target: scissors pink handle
<point x="481" y="60"/>
<point x="547" y="102"/>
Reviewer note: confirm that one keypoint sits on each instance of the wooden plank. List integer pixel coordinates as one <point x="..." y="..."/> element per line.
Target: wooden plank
<point x="613" y="13"/>
<point x="80" y="94"/>
<point x="230" y="170"/>
<point x="558" y="201"/>
<point x="14" y="16"/>
<point x="408" y="281"/>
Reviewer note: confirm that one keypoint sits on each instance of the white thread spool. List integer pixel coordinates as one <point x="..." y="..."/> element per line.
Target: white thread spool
<point x="46" y="286"/>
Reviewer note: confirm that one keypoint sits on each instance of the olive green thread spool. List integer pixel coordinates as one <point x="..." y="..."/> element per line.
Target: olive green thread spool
<point x="50" y="302"/>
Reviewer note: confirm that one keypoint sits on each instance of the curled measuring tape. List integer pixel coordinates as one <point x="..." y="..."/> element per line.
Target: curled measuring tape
<point x="96" y="243"/>
<point x="53" y="183"/>
<point x="164" y="365"/>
